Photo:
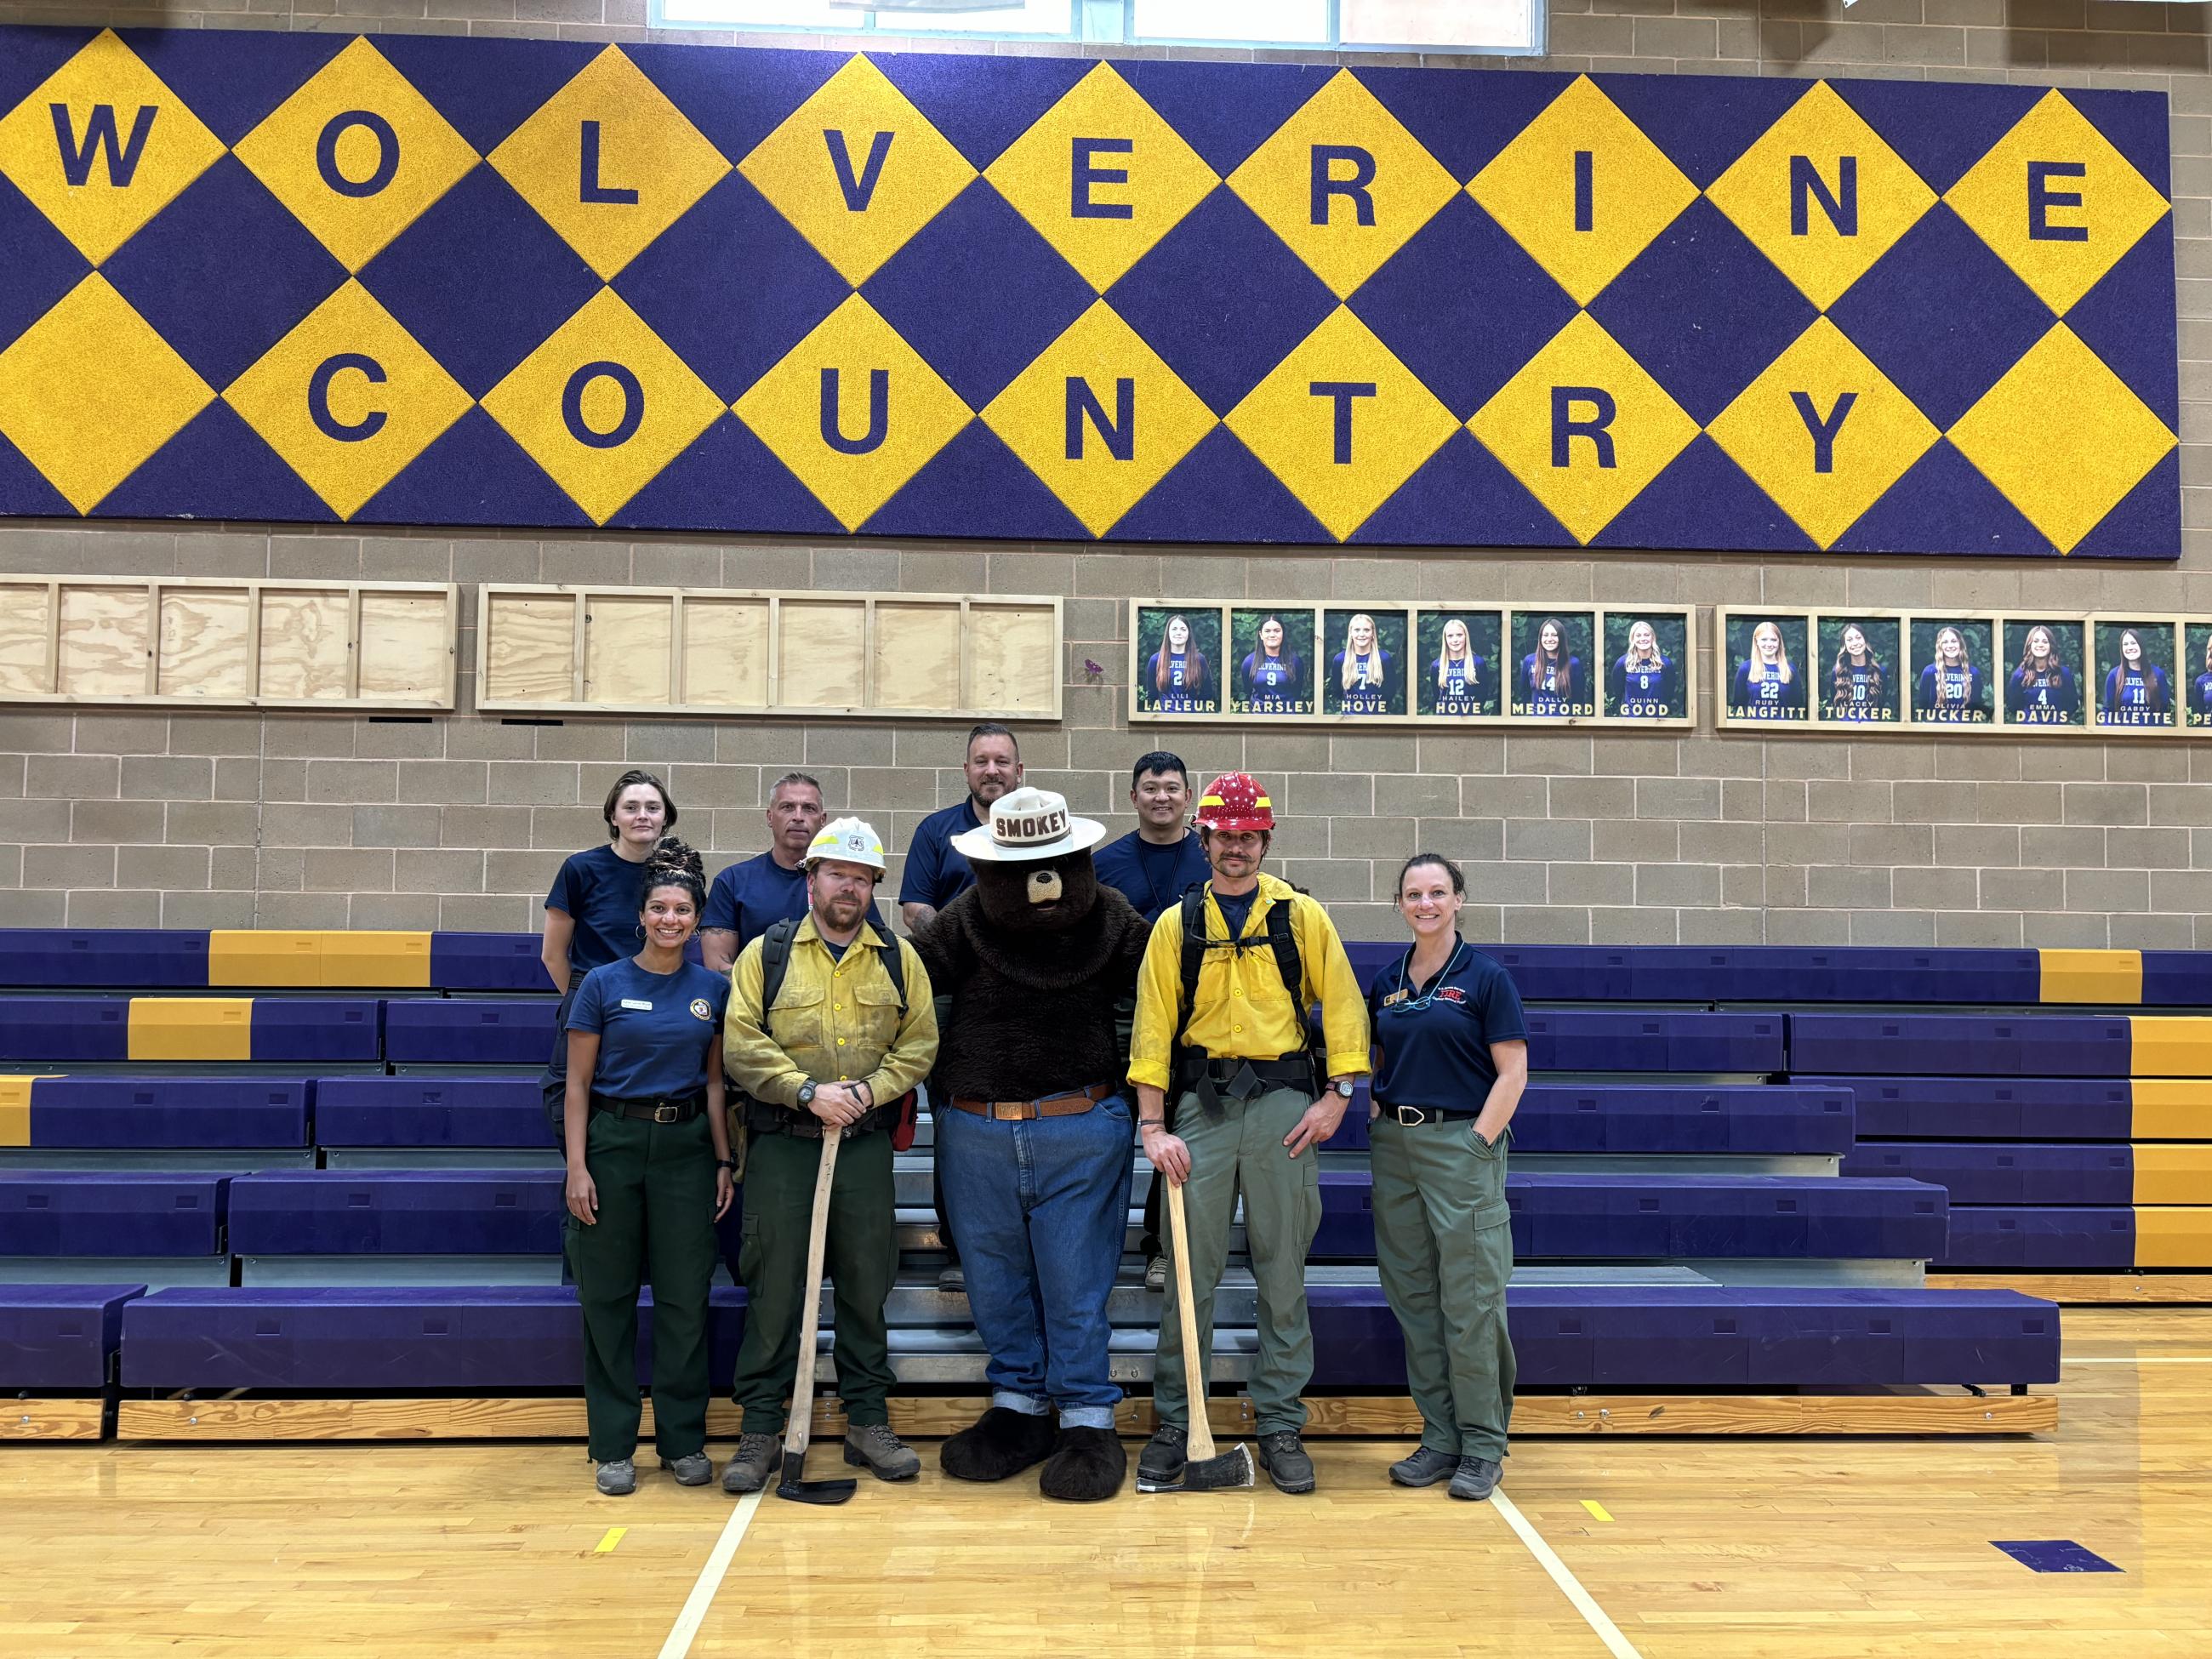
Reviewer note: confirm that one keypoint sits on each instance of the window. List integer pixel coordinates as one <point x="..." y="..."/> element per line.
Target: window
<point x="1349" y="26"/>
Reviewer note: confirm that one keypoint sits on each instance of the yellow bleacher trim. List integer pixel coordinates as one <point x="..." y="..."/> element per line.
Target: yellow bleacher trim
<point x="15" y="1111"/>
<point x="254" y="958"/>
<point x="2172" y="1108"/>
<point x="2173" y="1174"/>
<point x="352" y="960"/>
<point x="2099" y="976"/>
<point x="192" y="1028"/>
<point x="2170" y="1045"/>
<point x="2173" y="1236"/>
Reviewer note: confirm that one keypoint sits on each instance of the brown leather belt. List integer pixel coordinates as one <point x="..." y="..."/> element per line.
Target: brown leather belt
<point x="1051" y="1106"/>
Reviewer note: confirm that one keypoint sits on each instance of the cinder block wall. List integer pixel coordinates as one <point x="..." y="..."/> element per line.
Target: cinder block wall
<point x="122" y="819"/>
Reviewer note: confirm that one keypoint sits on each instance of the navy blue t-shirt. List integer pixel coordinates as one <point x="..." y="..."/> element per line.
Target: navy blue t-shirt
<point x="603" y="892"/>
<point x="657" y="1032"/>
<point x="1434" y="1048"/>
<point x="936" y="872"/>
<point x="1237" y="911"/>
<point x="749" y="898"/>
<point x="1152" y="878"/>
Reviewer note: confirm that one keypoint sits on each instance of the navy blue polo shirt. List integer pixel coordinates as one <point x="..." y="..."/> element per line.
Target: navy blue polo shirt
<point x="749" y="898"/>
<point x="936" y="872"/>
<point x="657" y="1032"/>
<point x="1435" y="1049"/>
<point x="1151" y="876"/>
<point x="603" y="892"/>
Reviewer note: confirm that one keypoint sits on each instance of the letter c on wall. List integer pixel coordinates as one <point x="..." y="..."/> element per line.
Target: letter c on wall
<point x="319" y="399"/>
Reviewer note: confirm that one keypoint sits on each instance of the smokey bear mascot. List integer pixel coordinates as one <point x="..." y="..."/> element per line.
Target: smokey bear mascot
<point x="1033" y="1140"/>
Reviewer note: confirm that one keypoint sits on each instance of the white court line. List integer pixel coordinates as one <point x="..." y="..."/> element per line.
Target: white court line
<point x="686" y="1628"/>
<point x="1607" y="1632"/>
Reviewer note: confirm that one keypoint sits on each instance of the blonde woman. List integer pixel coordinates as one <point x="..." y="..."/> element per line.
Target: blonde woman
<point x="1643" y="679"/>
<point x="1949" y="688"/>
<point x="1460" y="673"/>
<point x="1766" y="685"/>
<point x="1363" y="664"/>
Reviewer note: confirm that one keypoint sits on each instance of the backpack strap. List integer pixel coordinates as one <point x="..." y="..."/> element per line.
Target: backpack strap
<point x="1285" y="945"/>
<point x="894" y="961"/>
<point x="775" y="958"/>
<point x="1193" y="955"/>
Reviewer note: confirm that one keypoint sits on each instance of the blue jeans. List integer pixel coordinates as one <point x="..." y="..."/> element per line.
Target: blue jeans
<point x="1042" y="1209"/>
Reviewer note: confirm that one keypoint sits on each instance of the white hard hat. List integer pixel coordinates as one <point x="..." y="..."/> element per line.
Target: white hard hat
<point x="848" y="840"/>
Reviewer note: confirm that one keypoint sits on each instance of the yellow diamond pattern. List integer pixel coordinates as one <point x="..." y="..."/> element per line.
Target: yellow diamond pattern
<point x="1100" y="374"/>
<point x="127" y="392"/>
<point x="132" y="146"/>
<point x="2060" y="230"/>
<point x="821" y="412"/>
<point x="1344" y="182"/>
<point x="1584" y="427"/>
<point x="1824" y="432"/>
<point x="1820" y="164"/>
<point x="603" y="405"/>
<point x="1583" y="220"/>
<point x="1342" y="423"/>
<point x="2061" y="437"/>
<point x="608" y="162"/>
<point x="1101" y="177"/>
<point x="858" y="170"/>
<point x="356" y="154"/>
<point x="347" y="398"/>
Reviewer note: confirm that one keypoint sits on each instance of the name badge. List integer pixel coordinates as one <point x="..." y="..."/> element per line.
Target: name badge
<point x="643" y="1007"/>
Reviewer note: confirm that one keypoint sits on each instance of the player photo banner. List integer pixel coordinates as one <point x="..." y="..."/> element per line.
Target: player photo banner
<point x="2022" y="674"/>
<point x="452" y="280"/>
<point x="1432" y="665"/>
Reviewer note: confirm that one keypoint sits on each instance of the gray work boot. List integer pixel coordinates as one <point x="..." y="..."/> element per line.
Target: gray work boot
<point x="1284" y="1457"/>
<point x="1424" y="1468"/>
<point x="755" y="1460"/>
<point x="617" y="1478"/>
<point x="882" y="1453"/>
<point x="692" y="1471"/>
<point x="1155" y="1275"/>
<point x="1477" y="1479"/>
<point x="1163" y="1456"/>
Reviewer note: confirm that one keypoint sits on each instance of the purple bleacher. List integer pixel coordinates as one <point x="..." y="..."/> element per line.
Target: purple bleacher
<point x="1652" y="1040"/>
<point x="397" y="1212"/>
<point x="1987" y="1108"/>
<point x="430" y="1111"/>
<point x="1961" y="1045"/>
<point x="1759" y="973"/>
<point x="2019" y="1235"/>
<point x="1570" y="1216"/>
<point x="104" y="958"/>
<point x="318" y="1030"/>
<point x="52" y="1029"/>
<point x="60" y="1336"/>
<point x="488" y="962"/>
<point x="358" y="1338"/>
<point x="1770" y="1119"/>
<point x="1981" y="1172"/>
<point x="1694" y="1336"/>
<point x="120" y="1113"/>
<point x="482" y="1031"/>
<point x="110" y="1213"/>
<point x="2177" y="979"/>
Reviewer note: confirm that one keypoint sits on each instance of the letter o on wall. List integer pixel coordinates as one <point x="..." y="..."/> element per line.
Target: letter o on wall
<point x="572" y="405"/>
<point x="388" y="152"/>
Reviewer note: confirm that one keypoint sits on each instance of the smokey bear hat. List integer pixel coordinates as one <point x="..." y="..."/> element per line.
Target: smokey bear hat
<point x="1026" y="824"/>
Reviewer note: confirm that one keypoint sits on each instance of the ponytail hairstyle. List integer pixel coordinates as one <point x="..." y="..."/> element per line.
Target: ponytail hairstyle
<point x="672" y="864"/>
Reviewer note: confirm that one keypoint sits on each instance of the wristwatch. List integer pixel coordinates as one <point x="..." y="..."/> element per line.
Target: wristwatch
<point x="729" y="1163"/>
<point x="806" y="1096"/>
<point x="1343" y="1086"/>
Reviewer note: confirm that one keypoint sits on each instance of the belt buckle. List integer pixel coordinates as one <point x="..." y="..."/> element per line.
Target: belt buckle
<point x="1013" y="1111"/>
<point x="664" y="1113"/>
<point x="1418" y="1118"/>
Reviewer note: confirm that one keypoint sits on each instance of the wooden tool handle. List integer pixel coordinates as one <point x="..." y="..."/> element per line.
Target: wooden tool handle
<point x="1194" y="1360"/>
<point x="800" y="1429"/>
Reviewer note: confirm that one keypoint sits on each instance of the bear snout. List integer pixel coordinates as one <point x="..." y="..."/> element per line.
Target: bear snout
<point x="1044" y="887"/>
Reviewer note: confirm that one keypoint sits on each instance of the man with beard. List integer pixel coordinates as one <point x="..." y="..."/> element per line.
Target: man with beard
<point x="1035" y="955"/>
<point x="843" y="1040"/>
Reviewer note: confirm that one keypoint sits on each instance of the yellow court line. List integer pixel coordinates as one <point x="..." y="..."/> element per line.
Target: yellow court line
<point x="614" y="1535"/>
<point x="1596" y="1509"/>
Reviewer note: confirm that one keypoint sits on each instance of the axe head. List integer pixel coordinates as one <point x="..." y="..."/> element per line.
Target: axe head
<point x="800" y="1490"/>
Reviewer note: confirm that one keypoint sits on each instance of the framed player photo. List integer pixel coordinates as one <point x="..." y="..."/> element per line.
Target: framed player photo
<point x="1648" y="663"/>
<point x="1176" y="662"/>
<point x="1459" y="665"/>
<point x="1858" y="671"/>
<point x="2043" y="661"/>
<point x="1766" y="657"/>
<point x="1952" y="659"/>
<point x="2136" y="675"/>
<point x="1554" y="672"/>
<point x="2197" y="674"/>
<point x="1271" y="662"/>
<point x="1362" y="662"/>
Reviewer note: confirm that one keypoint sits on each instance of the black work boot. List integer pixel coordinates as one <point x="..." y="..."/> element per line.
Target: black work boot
<point x="1285" y="1459"/>
<point x="1477" y="1479"/>
<point x="1161" y="1461"/>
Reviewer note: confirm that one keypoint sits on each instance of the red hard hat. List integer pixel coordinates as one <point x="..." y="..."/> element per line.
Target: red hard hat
<point x="1236" y="801"/>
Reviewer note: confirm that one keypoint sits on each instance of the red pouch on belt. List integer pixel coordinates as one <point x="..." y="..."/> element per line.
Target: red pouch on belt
<point x="902" y="1124"/>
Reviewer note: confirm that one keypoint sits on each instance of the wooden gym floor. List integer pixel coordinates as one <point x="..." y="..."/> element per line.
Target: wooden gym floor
<point x="1669" y="1549"/>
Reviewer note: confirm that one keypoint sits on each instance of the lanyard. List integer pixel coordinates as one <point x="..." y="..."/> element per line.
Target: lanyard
<point x="1414" y="1005"/>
